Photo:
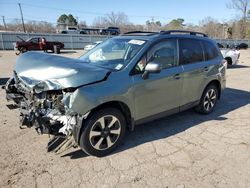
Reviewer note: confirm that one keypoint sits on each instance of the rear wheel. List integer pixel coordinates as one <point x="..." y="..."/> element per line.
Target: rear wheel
<point x="103" y="131"/>
<point x="229" y="61"/>
<point x="208" y="100"/>
<point x="23" y="50"/>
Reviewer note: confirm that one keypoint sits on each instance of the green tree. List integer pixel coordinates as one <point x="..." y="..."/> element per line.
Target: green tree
<point x="177" y="23"/>
<point x="153" y="25"/>
<point x="62" y="18"/>
<point x="67" y="19"/>
<point x="72" y="20"/>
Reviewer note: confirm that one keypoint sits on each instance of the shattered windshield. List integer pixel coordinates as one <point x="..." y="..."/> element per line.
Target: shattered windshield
<point x="114" y="53"/>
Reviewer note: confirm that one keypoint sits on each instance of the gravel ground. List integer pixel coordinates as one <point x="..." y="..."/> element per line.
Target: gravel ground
<point x="183" y="150"/>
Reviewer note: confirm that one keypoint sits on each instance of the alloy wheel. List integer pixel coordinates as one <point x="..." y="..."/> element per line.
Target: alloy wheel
<point x="210" y="99"/>
<point x="105" y="132"/>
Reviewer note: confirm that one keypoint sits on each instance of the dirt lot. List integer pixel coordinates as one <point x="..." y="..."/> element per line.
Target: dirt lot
<point x="184" y="150"/>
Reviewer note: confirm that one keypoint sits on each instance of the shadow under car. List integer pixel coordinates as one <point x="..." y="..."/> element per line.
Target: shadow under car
<point x="231" y="99"/>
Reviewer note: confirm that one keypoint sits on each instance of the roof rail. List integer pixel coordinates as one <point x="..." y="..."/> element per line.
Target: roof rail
<point x="140" y="32"/>
<point x="168" y="32"/>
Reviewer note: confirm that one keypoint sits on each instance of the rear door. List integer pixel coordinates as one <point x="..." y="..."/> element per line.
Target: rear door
<point x="161" y="92"/>
<point x="195" y="68"/>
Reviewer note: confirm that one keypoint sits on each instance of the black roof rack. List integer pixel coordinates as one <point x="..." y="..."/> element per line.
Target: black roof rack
<point x="183" y="31"/>
<point x="139" y="33"/>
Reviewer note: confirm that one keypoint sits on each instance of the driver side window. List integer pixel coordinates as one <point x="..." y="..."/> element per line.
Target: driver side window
<point x="35" y="40"/>
<point x="164" y="53"/>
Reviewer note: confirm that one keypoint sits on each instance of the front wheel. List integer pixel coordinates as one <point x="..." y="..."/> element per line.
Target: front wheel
<point x="208" y="100"/>
<point x="103" y="131"/>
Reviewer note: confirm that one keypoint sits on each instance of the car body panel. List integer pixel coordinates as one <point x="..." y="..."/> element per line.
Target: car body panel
<point x="35" y="67"/>
<point x="202" y="73"/>
<point x="86" y="98"/>
<point x="233" y="54"/>
<point x="160" y="92"/>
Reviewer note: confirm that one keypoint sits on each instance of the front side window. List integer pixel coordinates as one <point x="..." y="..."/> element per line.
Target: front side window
<point x="164" y="53"/>
<point x="190" y="51"/>
<point x="114" y="53"/>
<point x="34" y="40"/>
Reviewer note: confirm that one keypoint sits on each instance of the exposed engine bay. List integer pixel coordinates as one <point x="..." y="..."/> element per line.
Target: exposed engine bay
<point x="44" y="87"/>
<point x="45" y="111"/>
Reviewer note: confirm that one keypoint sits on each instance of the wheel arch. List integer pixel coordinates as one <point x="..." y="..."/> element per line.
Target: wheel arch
<point x="111" y="104"/>
<point x="118" y="105"/>
<point x="229" y="60"/>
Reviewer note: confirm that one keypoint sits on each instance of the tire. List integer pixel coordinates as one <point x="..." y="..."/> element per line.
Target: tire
<point x="18" y="52"/>
<point x="229" y="61"/>
<point x="23" y="50"/>
<point x="208" y="100"/>
<point x="103" y="131"/>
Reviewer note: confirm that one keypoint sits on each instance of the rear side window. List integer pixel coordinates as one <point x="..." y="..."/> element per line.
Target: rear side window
<point x="210" y="50"/>
<point x="190" y="51"/>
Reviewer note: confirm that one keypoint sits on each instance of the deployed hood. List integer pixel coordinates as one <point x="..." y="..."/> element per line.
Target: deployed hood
<point x="50" y="72"/>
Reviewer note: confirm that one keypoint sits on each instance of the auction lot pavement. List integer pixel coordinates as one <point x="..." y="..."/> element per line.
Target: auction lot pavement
<point x="183" y="150"/>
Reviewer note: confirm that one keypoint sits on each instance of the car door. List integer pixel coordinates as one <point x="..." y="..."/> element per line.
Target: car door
<point x="160" y="92"/>
<point x="195" y="68"/>
<point x="34" y="44"/>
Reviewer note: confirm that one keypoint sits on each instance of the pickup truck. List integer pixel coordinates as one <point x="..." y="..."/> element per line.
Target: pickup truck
<point x="35" y="43"/>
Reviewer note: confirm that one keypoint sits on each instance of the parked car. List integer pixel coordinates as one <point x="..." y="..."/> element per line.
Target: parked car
<point x="37" y="43"/>
<point x="71" y="30"/>
<point x="231" y="55"/>
<point x="110" y="31"/>
<point x="90" y="46"/>
<point x="110" y="89"/>
<point x="220" y="45"/>
<point x="241" y="46"/>
<point x="95" y="31"/>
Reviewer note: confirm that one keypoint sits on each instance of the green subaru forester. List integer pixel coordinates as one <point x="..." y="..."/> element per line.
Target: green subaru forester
<point x="126" y="80"/>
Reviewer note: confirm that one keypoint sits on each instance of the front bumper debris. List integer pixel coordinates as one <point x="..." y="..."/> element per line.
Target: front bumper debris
<point x="46" y="112"/>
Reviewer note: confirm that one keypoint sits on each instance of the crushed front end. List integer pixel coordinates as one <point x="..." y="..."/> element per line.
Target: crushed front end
<point x="44" y="110"/>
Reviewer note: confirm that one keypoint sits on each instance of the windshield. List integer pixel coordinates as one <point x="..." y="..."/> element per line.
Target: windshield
<point x="114" y="53"/>
<point x="28" y="39"/>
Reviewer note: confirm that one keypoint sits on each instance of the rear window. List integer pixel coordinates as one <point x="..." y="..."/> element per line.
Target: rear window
<point x="190" y="51"/>
<point x="210" y="50"/>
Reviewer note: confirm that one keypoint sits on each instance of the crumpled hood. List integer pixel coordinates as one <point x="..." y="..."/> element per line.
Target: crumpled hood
<point x="51" y="72"/>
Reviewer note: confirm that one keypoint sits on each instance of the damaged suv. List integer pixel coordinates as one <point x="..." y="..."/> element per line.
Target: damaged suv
<point x="127" y="80"/>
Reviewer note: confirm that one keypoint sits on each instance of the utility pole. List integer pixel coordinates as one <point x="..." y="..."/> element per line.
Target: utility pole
<point x="22" y="17"/>
<point x="77" y="22"/>
<point x="4" y="23"/>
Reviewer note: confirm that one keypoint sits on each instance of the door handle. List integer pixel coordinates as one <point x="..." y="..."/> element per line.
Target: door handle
<point x="177" y="76"/>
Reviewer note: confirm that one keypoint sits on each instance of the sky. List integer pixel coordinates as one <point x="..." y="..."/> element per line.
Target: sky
<point x="138" y="11"/>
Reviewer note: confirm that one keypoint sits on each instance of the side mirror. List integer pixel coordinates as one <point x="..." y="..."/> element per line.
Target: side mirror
<point x="151" y="67"/>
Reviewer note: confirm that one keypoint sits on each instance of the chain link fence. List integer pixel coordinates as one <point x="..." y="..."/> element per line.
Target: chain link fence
<point x="7" y="39"/>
